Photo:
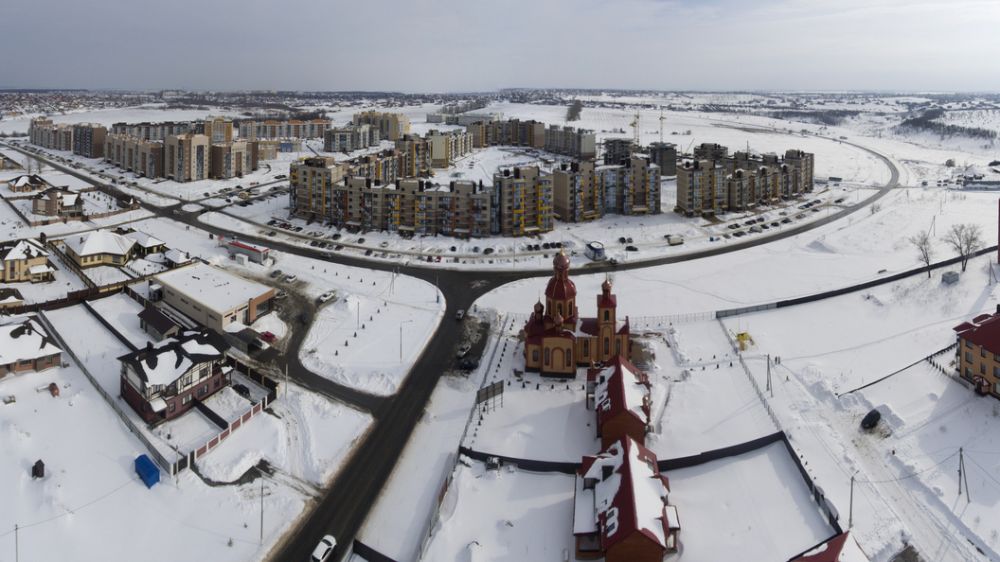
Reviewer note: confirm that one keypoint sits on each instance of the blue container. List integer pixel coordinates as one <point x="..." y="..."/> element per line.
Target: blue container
<point x="147" y="470"/>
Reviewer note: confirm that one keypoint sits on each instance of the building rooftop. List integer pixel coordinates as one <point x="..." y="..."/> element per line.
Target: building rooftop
<point x="22" y="249"/>
<point x="99" y="242"/>
<point x="23" y="338"/>
<point x="163" y="363"/>
<point x="212" y="287"/>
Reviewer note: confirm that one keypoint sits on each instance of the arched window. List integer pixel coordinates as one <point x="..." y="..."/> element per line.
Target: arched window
<point x="618" y="347"/>
<point x="559" y="307"/>
<point x="607" y="315"/>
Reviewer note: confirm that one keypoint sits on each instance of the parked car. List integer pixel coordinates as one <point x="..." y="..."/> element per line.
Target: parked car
<point x="269" y="337"/>
<point x="460" y="314"/>
<point x="324" y="549"/>
<point x="276" y="273"/>
<point x="361" y="240"/>
<point x="280" y="295"/>
<point x="368" y="252"/>
<point x="463" y="350"/>
<point x="631" y="249"/>
<point x="469" y="364"/>
<point x="870" y="420"/>
<point x="291" y="278"/>
<point x="326" y="296"/>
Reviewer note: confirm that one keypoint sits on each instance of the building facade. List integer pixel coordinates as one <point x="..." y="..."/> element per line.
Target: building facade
<point x="391" y="126"/>
<point x="350" y="138"/>
<point x="578" y="143"/>
<point x="152" y="131"/>
<point x="522" y="202"/>
<point x="617" y="151"/>
<point x="186" y="157"/>
<point x="978" y="352"/>
<point x="57" y="202"/>
<point x="664" y="155"/>
<point x="214" y="298"/>
<point x="511" y="132"/>
<point x="88" y="140"/>
<point x="25" y="345"/>
<point x="231" y="159"/>
<point x="46" y="134"/>
<point x="446" y="147"/>
<point x="99" y="247"/>
<point x="218" y="129"/>
<point x="24" y="260"/>
<point x="270" y="129"/>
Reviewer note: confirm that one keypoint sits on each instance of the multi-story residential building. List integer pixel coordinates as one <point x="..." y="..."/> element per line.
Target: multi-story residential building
<point x="186" y="157"/>
<point x="350" y="138"/>
<point x="163" y="381"/>
<point x="283" y="129"/>
<point x="696" y="187"/>
<point x="512" y="132"/>
<point x="804" y="162"/>
<point x="637" y="187"/>
<point x="152" y="131"/>
<point x="88" y="140"/>
<point x="618" y="150"/>
<point x="218" y="129"/>
<point x="414" y="155"/>
<point x="57" y="202"/>
<point x="46" y="134"/>
<point x="522" y="202"/>
<point x="144" y="157"/>
<point x="710" y="151"/>
<point x="24" y="260"/>
<point x="391" y="126"/>
<point x="664" y="155"/>
<point x="978" y="352"/>
<point x="446" y="147"/>
<point x="382" y="168"/>
<point x="578" y="143"/>
<point x="231" y="159"/>
<point x="312" y="181"/>
<point x="576" y="194"/>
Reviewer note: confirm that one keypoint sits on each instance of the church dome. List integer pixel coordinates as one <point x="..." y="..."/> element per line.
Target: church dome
<point x="539" y="308"/>
<point x="560" y="288"/>
<point x="561" y="262"/>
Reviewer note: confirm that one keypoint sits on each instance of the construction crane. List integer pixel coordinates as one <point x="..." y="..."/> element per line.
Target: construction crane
<point x="635" y="128"/>
<point x="662" y="119"/>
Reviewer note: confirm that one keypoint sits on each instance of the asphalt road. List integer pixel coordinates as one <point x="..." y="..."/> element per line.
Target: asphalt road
<point x="345" y="505"/>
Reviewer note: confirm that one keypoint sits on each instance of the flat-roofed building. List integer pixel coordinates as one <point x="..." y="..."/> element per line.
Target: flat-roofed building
<point x="391" y="126"/>
<point x="446" y="147"/>
<point x="576" y="194"/>
<point x="213" y="297"/>
<point x="283" y="129"/>
<point x="618" y="150"/>
<point x="186" y="157"/>
<point x="664" y="155"/>
<point x="350" y="138"/>
<point x="231" y="159"/>
<point x="522" y="201"/>
<point x="88" y="139"/>
<point x="218" y="129"/>
<point x="414" y="155"/>
<point x="578" y="143"/>
<point x="312" y="182"/>
<point x="152" y="131"/>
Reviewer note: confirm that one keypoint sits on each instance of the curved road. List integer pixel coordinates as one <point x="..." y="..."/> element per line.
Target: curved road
<point x="345" y="505"/>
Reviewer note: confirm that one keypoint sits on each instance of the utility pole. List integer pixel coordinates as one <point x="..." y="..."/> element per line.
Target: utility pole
<point x="850" y="516"/>
<point x="769" y="387"/>
<point x="963" y="475"/>
<point x="286" y="380"/>
<point x="262" y="508"/>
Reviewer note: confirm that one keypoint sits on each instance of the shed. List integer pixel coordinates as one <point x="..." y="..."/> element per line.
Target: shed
<point x="38" y="469"/>
<point x="950" y="277"/>
<point x="147" y="470"/>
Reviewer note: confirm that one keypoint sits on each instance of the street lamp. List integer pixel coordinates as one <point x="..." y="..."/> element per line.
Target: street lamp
<point x="401" y="338"/>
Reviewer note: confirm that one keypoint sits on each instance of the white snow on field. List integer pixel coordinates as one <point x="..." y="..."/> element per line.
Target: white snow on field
<point x="309" y="437"/>
<point x="91" y="497"/>
<point x="755" y="504"/>
<point x="271" y="323"/>
<point x="122" y="312"/>
<point x="504" y="516"/>
<point x="106" y="274"/>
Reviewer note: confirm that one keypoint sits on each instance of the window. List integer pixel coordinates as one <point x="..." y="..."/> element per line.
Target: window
<point x="982" y="368"/>
<point x="968" y="356"/>
<point x="172" y="407"/>
<point x="982" y="352"/>
<point x="202" y="391"/>
<point x="186" y="399"/>
<point x="586" y="348"/>
<point x="569" y="357"/>
<point x="534" y="356"/>
<point x="548" y="356"/>
<point x="606" y="346"/>
<point x="607" y="315"/>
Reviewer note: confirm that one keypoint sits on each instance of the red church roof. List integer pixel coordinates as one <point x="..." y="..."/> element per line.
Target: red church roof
<point x="621" y="389"/>
<point x="984" y="331"/>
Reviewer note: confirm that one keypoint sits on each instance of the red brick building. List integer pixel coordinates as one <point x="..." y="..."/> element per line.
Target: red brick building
<point x="621" y="510"/>
<point x="979" y="352"/>
<point x="557" y="340"/>
<point x="161" y="381"/>
<point x="620" y="395"/>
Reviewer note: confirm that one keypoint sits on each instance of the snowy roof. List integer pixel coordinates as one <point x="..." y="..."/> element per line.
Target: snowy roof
<point x="213" y="288"/>
<point x="177" y="256"/>
<point x="248" y="246"/>
<point x="27" y="179"/>
<point x="23" y="338"/>
<point x="163" y="363"/>
<point x="144" y="240"/>
<point x="617" y="393"/>
<point x="99" y="242"/>
<point x="983" y="331"/>
<point x="829" y="551"/>
<point x="630" y="495"/>
<point x="22" y="249"/>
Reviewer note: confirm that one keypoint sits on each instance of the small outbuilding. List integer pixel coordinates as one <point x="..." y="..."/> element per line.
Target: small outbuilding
<point x="38" y="469"/>
<point x="147" y="470"/>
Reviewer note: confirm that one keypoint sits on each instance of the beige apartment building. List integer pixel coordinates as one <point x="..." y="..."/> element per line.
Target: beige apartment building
<point x="522" y="202"/>
<point x="218" y="129"/>
<point x="446" y="147"/>
<point x="382" y="168"/>
<point x="143" y="157"/>
<point x="283" y="129"/>
<point x="578" y="143"/>
<point x="414" y="153"/>
<point x="576" y="194"/>
<point x="582" y="191"/>
<point x="512" y="132"/>
<point x="391" y="126"/>
<point x="46" y="134"/>
<point x="89" y="139"/>
<point x="186" y="157"/>
<point x="350" y="138"/>
<point x="312" y="181"/>
<point x="152" y="131"/>
<point x="232" y="159"/>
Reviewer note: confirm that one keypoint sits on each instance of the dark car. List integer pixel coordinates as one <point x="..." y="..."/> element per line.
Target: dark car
<point x="368" y="252"/>
<point x="870" y="420"/>
<point x="622" y="240"/>
<point x="631" y="249"/>
<point x="468" y="364"/>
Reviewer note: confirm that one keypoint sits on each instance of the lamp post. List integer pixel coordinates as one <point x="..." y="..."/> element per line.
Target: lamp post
<point x="401" y="338"/>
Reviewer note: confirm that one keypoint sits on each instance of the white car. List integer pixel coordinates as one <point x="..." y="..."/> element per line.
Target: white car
<point x="326" y="296"/>
<point x="324" y="549"/>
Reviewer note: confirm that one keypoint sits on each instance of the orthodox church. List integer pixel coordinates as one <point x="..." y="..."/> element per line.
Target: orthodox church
<point x="557" y="340"/>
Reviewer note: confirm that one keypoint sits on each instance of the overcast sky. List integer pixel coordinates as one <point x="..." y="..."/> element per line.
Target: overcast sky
<point x="450" y="45"/>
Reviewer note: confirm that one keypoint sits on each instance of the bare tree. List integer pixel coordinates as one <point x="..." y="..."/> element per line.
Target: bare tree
<point x="574" y="110"/>
<point x="965" y="240"/>
<point x="922" y="242"/>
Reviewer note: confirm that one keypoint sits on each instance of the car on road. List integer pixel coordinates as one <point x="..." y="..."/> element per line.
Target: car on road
<point x="463" y="350"/>
<point x="368" y="252"/>
<point x="460" y="314"/>
<point x="280" y="295"/>
<point x="291" y="278"/>
<point x="361" y="240"/>
<point x="631" y="249"/>
<point x="276" y="273"/>
<point x="269" y="337"/>
<point x="326" y="296"/>
<point x="324" y="549"/>
<point x="468" y="364"/>
<point x="871" y="419"/>
<point x="384" y="244"/>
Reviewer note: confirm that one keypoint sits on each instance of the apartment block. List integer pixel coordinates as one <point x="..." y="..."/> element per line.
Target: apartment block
<point x="710" y="151"/>
<point x="617" y="151"/>
<point x="46" y="134"/>
<point x="143" y="157"/>
<point x="664" y="155"/>
<point x="283" y="129"/>
<point x="152" y="131"/>
<point x="312" y="182"/>
<point x="576" y="194"/>
<point x="350" y="138"/>
<point x="696" y="187"/>
<point x="186" y="157"/>
<point x="382" y="168"/>
<point x="89" y="139"/>
<point x="231" y="159"/>
<point x="512" y="132"/>
<point x="522" y="202"/>
<point x="218" y="129"/>
<point x="391" y="126"/>
<point x="414" y="154"/>
<point x="446" y="147"/>
<point x="578" y="143"/>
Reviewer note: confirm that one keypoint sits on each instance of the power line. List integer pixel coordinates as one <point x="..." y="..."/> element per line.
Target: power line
<point x="912" y="474"/>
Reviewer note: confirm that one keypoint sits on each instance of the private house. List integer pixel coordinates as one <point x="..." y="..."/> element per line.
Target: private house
<point x="830" y="551"/>
<point x="10" y="298"/>
<point x="556" y="340"/>
<point x="57" y="202"/>
<point x="145" y="244"/>
<point x="158" y="325"/>
<point x="620" y="394"/>
<point x="161" y="381"/>
<point x="100" y="247"/>
<point x="26" y="346"/>
<point x="27" y="183"/>
<point x="214" y="298"/>
<point x="979" y="352"/>
<point x="25" y="260"/>
<point x="621" y="510"/>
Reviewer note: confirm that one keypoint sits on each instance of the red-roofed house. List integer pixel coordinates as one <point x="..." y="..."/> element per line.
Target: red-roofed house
<point x="619" y="393"/>
<point x="557" y="341"/>
<point x="979" y="352"/>
<point x="829" y="551"/>
<point x="621" y="511"/>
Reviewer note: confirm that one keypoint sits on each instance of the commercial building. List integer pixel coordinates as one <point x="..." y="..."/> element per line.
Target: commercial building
<point x="557" y="340"/>
<point x="578" y="143"/>
<point x="391" y="126"/>
<point x="664" y="155"/>
<point x="522" y="202"/>
<point x="446" y="147"/>
<point x="186" y="157"/>
<point x="24" y="260"/>
<point x="621" y="506"/>
<point x="350" y="138"/>
<point x="163" y="380"/>
<point x="88" y="140"/>
<point x="253" y="252"/>
<point x="231" y="159"/>
<point x="978" y="352"/>
<point x="214" y="298"/>
<point x="271" y="129"/>
<point x="617" y="151"/>
<point x="99" y="247"/>
<point x="25" y="345"/>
